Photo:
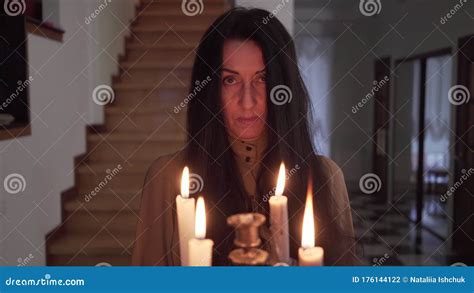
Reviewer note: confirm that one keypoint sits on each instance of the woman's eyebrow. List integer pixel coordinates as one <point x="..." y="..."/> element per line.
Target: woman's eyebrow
<point x="229" y="70"/>
<point x="235" y="72"/>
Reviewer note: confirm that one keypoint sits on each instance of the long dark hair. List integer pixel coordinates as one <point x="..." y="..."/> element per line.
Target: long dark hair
<point x="208" y="151"/>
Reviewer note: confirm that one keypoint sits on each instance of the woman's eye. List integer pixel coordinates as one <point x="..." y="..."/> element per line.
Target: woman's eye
<point x="229" y="80"/>
<point x="262" y="78"/>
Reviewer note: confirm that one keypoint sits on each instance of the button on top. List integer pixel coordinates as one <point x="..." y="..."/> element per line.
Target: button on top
<point x="249" y="148"/>
<point x="247" y="159"/>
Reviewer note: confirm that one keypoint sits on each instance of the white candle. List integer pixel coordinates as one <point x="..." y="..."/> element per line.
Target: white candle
<point x="309" y="254"/>
<point x="186" y="208"/>
<point x="279" y="221"/>
<point x="312" y="256"/>
<point x="200" y="249"/>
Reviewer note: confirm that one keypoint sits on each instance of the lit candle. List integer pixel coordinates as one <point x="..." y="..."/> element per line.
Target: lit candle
<point x="200" y="249"/>
<point x="186" y="208"/>
<point x="309" y="254"/>
<point x="279" y="221"/>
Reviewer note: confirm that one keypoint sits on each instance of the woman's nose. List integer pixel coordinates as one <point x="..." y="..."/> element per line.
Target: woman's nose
<point x="248" y="97"/>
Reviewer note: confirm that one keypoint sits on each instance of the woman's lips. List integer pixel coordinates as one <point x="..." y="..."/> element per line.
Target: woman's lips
<point x="246" y="122"/>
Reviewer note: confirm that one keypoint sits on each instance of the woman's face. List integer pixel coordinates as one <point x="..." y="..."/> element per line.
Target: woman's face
<point x="243" y="91"/>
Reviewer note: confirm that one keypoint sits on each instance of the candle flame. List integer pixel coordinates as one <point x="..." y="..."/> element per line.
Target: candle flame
<point x="307" y="240"/>
<point x="200" y="222"/>
<point x="185" y="183"/>
<point x="281" y="180"/>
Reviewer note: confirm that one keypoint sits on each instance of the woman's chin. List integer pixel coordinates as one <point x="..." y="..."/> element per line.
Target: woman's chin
<point x="248" y="134"/>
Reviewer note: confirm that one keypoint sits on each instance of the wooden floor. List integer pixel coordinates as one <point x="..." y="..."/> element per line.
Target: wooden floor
<point x="140" y="125"/>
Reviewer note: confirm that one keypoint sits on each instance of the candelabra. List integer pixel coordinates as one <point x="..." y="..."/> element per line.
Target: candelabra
<point x="247" y="240"/>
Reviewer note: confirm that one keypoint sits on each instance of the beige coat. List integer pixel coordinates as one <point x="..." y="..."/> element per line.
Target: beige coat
<point x="157" y="236"/>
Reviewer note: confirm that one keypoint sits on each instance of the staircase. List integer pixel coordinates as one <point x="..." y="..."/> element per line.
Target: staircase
<point x="139" y="127"/>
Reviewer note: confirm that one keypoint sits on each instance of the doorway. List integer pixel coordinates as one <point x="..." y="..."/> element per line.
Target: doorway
<point x="422" y="152"/>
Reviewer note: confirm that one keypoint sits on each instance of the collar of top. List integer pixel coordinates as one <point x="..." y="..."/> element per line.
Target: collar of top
<point x="248" y="151"/>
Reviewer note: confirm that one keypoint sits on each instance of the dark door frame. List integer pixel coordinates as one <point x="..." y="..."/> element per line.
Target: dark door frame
<point x="421" y="133"/>
<point x="463" y="197"/>
<point x="381" y="118"/>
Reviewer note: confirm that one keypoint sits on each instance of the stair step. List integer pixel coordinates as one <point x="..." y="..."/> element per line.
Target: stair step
<point x="177" y="28"/>
<point x="139" y="148"/>
<point x="100" y="169"/>
<point x="171" y="9"/>
<point x="160" y="54"/>
<point x="87" y="221"/>
<point x="132" y="86"/>
<point x="102" y="243"/>
<point x="167" y="35"/>
<point x="170" y="18"/>
<point x="174" y="7"/>
<point x="164" y="64"/>
<point x="173" y="2"/>
<point x="164" y="121"/>
<point x="157" y="46"/>
<point x="85" y="260"/>
<point x="148" y="96"/>
<point x="161" y="109"/>
<point x="118" y="137"/>
<point x="169" y="73"/>
<point x="104" y="201"/>
<point x="179" y="25"/>
<point x="149" y="76"/>
<point x="108" y="175"/>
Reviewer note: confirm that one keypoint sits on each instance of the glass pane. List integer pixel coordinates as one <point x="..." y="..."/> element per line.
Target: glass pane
<point x="437" y="153"/>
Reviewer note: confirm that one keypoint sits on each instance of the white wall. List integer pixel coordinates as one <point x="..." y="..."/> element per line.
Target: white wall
<point x="315" y="60"/>
<point x="332" y="40"/>
<point x="64" y="75"/>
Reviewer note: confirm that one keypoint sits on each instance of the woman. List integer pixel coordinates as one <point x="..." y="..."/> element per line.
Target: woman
<point x="239" y="131"/>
